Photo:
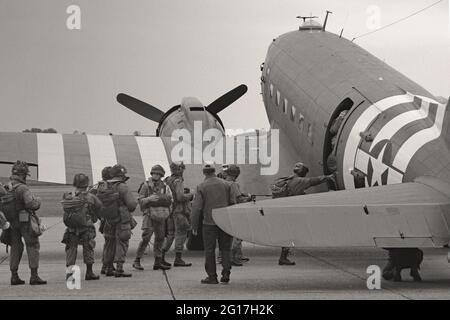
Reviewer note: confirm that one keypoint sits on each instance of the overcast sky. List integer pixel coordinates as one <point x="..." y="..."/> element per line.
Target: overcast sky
<point x="162" y="50"/>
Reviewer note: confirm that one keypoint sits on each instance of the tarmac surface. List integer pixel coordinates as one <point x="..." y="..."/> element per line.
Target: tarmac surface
<point x="319" y="274"/>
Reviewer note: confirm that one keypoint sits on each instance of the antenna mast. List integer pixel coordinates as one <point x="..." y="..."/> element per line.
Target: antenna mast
<point x="326" y="20"/>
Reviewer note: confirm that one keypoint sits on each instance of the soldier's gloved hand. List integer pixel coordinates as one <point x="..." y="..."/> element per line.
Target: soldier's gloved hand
<point x="6" y="226"/>
<point x="194" y="232"/>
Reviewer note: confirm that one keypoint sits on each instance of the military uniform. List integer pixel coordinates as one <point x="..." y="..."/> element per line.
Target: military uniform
<point x="230" y="174"/>
<point x="178" y="224"/>
<point x="296" y="186"/>
<point x="26" y="204"/>
<point x="108" y="246"/>
<point x="84" y="236"/>
<point x="155" y="217"/>
<point x="236" y="248"/>
<point x="119" y="234"/>
<point x="211" y="194"/>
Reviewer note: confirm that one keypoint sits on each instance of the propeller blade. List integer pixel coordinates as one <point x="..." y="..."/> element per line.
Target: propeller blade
<point x="228" y="98"/>
<point x="144" y="109"/>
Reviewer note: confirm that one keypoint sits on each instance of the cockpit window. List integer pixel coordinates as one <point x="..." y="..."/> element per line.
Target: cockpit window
<point x="293" y="111"/>
<point x="301" y="122"/>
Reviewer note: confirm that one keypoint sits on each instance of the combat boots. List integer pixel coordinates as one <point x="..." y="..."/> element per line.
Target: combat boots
<point x="225" y="278"/>
<point x="15" y="280"/>
<point x="163" y="259"/>
<point x="284" y="261"/>
<point x="158" y="265"/>
<point x="397" y="274"/>
<point x="120" y="273"/>
<point x="235" y="261"/>
<point x="137" y="264"/>
<point x="35" y="280"/>
<point x="210" y="280"/>
<point x="90" y="275"/>
<point x="179" y="262"/>
<point x="104" y="268"/>
<point x="414" y="273"/>
<point x="110" y="271"/>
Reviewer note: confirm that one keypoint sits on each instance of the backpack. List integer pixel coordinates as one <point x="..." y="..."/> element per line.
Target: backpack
<point x="108" y="195"/>
<point x="280" y="188"/>
<point x="8" y="205"/>
<point x="76" y="210"/>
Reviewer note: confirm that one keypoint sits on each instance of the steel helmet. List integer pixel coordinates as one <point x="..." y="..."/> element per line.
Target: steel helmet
<point x="106" y="173"/>
<point x="300" y="167"/>
<point x="232" y="170"/>
<point x="158" y="169"/>
<point x="118" y="171"/>
<point x="20" y="168"/>
<point x="177" y="167"/>
<point x="80" y="180"/>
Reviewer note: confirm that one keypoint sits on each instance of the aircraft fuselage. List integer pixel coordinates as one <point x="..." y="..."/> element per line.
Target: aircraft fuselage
<point x="394" y="130"/>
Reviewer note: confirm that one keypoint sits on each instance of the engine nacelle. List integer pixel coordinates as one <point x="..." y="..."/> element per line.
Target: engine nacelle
<point x="186" y="124"/>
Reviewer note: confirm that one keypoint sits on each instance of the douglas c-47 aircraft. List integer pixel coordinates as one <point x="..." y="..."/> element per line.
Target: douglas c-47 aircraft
<point x="390" y="152"/>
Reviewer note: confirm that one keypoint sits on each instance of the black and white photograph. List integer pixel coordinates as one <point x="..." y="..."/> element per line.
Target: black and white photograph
<point x="250" y="151"/>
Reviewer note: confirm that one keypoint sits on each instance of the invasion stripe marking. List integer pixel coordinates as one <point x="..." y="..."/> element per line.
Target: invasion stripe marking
<point x="418" y="140"/>
<point x="103" y="154"/>
<point x="128" y="155"/>
<point x="392" y="127"/>
<point x="361" y="125"/>
<point x="51" y="163"/>
<point x="152" y="152"/>
<point x="78" y="159"/>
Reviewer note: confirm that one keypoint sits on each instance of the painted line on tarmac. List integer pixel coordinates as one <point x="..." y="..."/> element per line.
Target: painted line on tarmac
<point x="168" y="284"/>
<point x="352" y="273"/>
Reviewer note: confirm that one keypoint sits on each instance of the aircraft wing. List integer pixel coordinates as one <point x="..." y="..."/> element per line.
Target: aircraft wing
<point x="56" y="158"/>
<point x="413" y="214"/>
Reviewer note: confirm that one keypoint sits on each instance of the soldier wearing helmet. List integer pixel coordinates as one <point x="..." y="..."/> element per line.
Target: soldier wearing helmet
<point x="83" y="235"/>
<point x="155" y="199"/>
<point x="26" y="204"/>
<point x="297" y="185"/>
<point x="108" y="246"/>
<point x="119" y="233"/>
<point x="179" y="222"/>
<point x="231" y="173"/>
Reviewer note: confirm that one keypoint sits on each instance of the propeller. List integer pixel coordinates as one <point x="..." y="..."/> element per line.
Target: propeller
<point x="228" y="98"/>
<point x="144" y="109"/>
<point x="152" y="113"/>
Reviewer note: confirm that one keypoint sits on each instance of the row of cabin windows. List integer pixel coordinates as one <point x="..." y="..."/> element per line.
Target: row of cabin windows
<point x="292" y="112"/>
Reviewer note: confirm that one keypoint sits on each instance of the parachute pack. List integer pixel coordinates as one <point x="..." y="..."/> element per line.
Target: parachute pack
<point x="279" y="188"/>
<point x="108" y="195"/>
<point x="8" y="205"/>
<point x="76" y="210"/>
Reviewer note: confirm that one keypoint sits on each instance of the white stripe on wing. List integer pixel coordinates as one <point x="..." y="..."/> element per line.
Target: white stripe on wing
<point x="51" y="161"/>
<point x="103" y="154"/>
<point x="152" y="153"/>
